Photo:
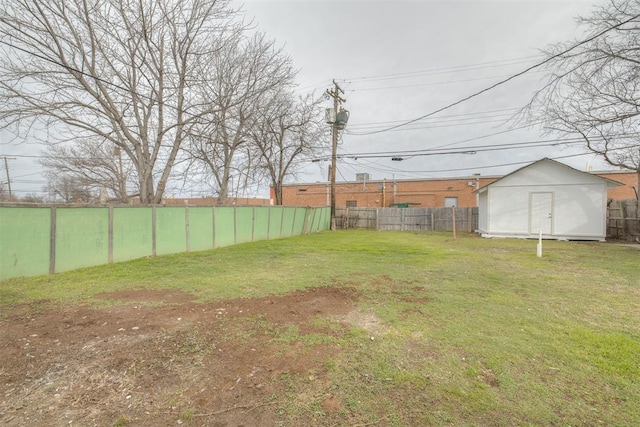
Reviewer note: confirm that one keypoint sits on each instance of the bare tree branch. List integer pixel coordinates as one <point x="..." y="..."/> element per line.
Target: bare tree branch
<point x="594" y="91"/>
<point x="290" y="129"/>
<point x="118" y="70"/>
<point x="245" y="77"/>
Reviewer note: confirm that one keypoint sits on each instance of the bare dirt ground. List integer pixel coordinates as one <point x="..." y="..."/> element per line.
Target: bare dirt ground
<point x="159" y="359"/>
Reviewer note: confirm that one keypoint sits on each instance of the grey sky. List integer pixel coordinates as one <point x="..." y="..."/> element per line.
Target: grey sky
<point x="462" y="47"/>
<point x="451" y="49"/>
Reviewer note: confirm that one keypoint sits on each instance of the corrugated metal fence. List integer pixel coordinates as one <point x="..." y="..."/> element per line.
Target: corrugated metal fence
<point x="52" y="239"/>
<point x="408" y="219"/>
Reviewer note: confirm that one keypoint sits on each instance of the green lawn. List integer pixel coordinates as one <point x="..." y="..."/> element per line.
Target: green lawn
<point x="471" y="331"/>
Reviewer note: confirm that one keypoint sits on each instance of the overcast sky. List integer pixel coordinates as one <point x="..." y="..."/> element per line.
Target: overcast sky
<point x="399" y="60"/>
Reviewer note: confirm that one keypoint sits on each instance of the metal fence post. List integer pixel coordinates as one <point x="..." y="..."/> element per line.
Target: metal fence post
<point x="110" y="236"/>
<point x="154" y="239"/>
<point x="186" y="227"/>
<point x="52" y="243"/>
<point x="213" y="218"/>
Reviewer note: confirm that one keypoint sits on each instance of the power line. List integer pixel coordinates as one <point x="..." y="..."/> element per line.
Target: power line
<point x="505" y="164"/>
<point x="444" y="70"/>
<point x="459" y="150"/>
<point x="449" y="122"/>
<point x="475" y="113"/>
<point x="501" y="82"/>
<point x="429" y="84"/>
<point x="418" y="126"/>
<point x="491" y="147"/>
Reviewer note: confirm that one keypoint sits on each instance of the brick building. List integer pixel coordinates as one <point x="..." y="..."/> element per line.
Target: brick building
<point x="629" y="181"/>
<point x="423" y="192"/>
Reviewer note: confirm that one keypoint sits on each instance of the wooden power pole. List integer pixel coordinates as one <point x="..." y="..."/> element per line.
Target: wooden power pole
<point x="337" y="101"/>
<point x="6" y="167"/>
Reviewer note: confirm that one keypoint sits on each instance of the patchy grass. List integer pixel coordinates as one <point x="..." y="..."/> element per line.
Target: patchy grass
<point x="446" y="332"/>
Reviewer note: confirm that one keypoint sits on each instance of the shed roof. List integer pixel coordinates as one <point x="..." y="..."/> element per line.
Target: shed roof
<point x="610" y="182"/>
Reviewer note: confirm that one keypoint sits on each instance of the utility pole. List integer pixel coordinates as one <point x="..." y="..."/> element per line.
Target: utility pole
<point x="6" y="167"/>
<point x="335" y="124"/>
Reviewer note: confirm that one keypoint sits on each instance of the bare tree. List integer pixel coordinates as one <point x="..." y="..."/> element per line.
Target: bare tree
<point x="290" y="129"/>
<point x="31" y="198"/>
<point x="4" y="194"/>
<point x="116" y="70"/>
<point x="95" y="164"/>
<point x="244" y="77"/>
<point x="68" y="188"/>
<point x="593" y="90"/>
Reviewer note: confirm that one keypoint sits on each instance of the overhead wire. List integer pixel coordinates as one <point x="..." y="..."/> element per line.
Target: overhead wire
<point x="442" y="70"/>
<point x="490" y="147"/>
<point x="525" y="162"/>
<point x="366" y="89"/>
<point x="501" y="82"/>
<point x="459" y="150"/>
<point x="450" y="116"/>
<point x="450" y="122"/>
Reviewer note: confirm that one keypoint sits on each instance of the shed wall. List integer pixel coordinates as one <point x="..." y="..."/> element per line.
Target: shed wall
<point x="483" y="208"/>
<point x="578" y="210"/>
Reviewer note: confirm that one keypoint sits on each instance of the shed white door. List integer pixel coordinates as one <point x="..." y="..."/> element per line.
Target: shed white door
<point x="540" y="213"/>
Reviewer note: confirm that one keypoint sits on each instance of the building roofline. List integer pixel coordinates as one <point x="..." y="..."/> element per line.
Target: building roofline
<point x="380" y="181"/>
<point x="463" y="177"/>
<point x="546" y="159"/>
<point x="615" y="171"/>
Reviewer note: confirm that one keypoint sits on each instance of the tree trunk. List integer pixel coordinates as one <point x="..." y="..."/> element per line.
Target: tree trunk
<point x="637" y="190"/>
<point x="277" y="189"/>
<point x="147" y="195"/>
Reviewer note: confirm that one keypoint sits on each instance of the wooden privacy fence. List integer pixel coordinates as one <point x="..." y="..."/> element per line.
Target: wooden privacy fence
<point x="623" y="219"/>
<point x="408" y="219"/>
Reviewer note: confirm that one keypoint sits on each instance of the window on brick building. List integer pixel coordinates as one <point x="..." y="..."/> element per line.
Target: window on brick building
<point x="450" y="202"/>
<point x="352" y="203"/>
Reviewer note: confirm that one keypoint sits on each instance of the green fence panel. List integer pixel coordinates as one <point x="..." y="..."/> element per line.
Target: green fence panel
<point x="82" y="238"/>
<point x="325" y="219"/>
<point x="287" y="222"/>
<point x="298" y="224"/>
<point x="275" y="222"/>
<point x="132" y="233"/>
<point x="319" y="220"/>
<point x="261" y="224"/>
<point x="224" y="226"/>
<point x="313" y="220"/>
<point x="25" y="239"/>
<point x="171" y="235"/>
<point x="200" y="228"/>
<point x="82" y="234"/>
<point x="244" y="224"/>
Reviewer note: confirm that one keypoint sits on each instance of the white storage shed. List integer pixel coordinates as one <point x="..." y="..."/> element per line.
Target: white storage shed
<point x="562" y="202"/>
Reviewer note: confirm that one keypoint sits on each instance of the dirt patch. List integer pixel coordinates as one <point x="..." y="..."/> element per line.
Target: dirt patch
<point x="220" y="364"/>
<point x="146" y="295"/>
<point x="367" y="321"/>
